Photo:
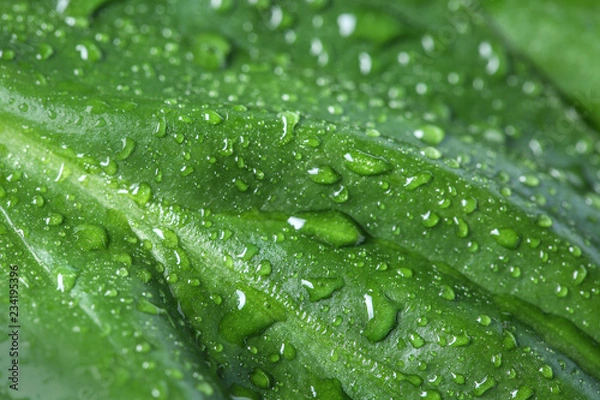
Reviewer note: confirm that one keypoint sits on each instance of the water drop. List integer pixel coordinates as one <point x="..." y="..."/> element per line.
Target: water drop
<point x="462" y="229"/>
<point x="366" y="164"/>
<point x="128" y="145"/>
<point x="324" y="175"/>
<point x="381" y="316"/>
<point x="54" y="219"/>
<point x="506" y="237"/>
<point x="447" y="293"/>
<point x="330" y="227"/>
<point x="211" y="51"/>
<point x="484" y="320"/>
<point x="89" y="51"/>
<point x="430" y="219"/>
<point x="469" y="205"/>
<point x="430" y="134"/>
<point x="290" y="120"/>
<point x="340" y="195"/>
<point x="212" y="117"/>
<point x="544" y="221"/>
<point x="322" y="288"/>
<point x="416" y="340"/>
<point x="66" y="277"/>
<point x="44" y="51"/>
<point x="420" y="179"/>
<point x="484" y="385"/>
<point x="546" y="371"/>
<point x="579" y="275"/>
<point x="522" y="393"/>
<point x="264" y="268"/>
<point x="529" y="180"/>
<point x="141" y="193"/>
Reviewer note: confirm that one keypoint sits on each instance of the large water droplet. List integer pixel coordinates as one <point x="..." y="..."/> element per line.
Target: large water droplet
<point x="420" y="179"/>
<point x="366" y="164"/>
<point x="331" y="227"/>
<point x="484" y="385"/>
<point x="66" y="277"/>
<point x="324" y="175"/>
<point x="522" y="393"/>
<point x="506" y="237"/>
<point x="322" y="288"/>
<point x="211" y="51"/>
<point x="381" y="316"/>
<point x="290" y="120"/>
<point x="430" y="134"/>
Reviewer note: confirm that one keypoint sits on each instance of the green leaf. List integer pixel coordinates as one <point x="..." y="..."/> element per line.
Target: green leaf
<point x="286" y="199"/>
<point x="539" y="29"/>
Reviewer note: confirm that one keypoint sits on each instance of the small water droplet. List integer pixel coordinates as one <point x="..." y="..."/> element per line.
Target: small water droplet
<point x="546" y="371"/>
<point x="54" y="219"/>
<point x="506" y="237"/>
<point x="420" y="179"/>
<point x="212" y="117"/>
<point x="462" y="229"/>
<point x="66" y="277"/>
<point x="322" y="288"/>
<point x="89" y="51"/>
<point x="522" y="393"/>
<point x="128" y="145"/>
<point x="211" y="51"/>
<point x="324" y="175"/>
<point x="430" y="219"/>
<point x="432" y="153"/>
<point x="264" y="268"/>
<point x="141" y="193"/>
<point x="561" y="291"/>
<point x="579" y="275"/>
<point x="44" y="51"/>
<point x="447" y="293"/>
<point x="469" y="205"/>
<point x="416" y="340"/>
<point x="484" y="385"/>
<point x="544" y="221"/>
<point x="529" y="180"/>
<point x="484" y="320"/>
<point x="430" y="134"/>
<point x="340" y="195"/>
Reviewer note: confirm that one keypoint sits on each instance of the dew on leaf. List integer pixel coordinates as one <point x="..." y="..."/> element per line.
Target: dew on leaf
<point x="128" y="145"/>
<point x="482" y="386"/>
<point x="416" y="340"/>
<point x="212" y="117"/>
<point x="324" y="175"/>
<point x="54" y="219"/>
<point x="340" y="195"/>
<point x="322" y="288"/>
<point x="289" y="120"/>
<point x="66" y="277"/>
<point x="418" y="180"/>
<point x="430" y="134"/>
<point x="381" y="316"/>
<point x="506" y="237"/>
<point x="211" y="51"/>
<point x="365" y="164"/>
<point x="330" y="227"/>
